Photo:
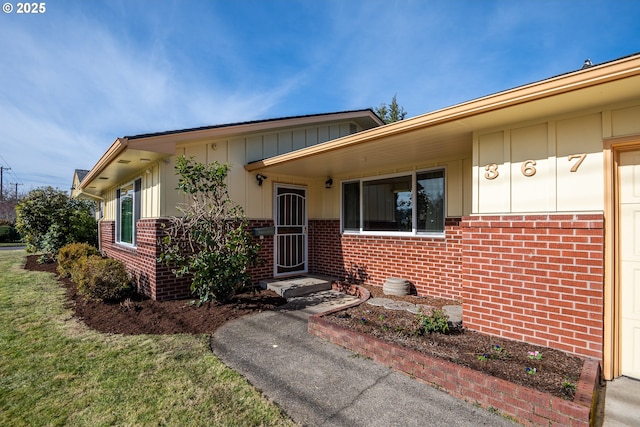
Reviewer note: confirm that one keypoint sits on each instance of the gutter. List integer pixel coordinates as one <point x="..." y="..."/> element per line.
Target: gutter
<point x="93" y="196"/>
<point x="117" y="148"/>
<point x="593" y="76"/>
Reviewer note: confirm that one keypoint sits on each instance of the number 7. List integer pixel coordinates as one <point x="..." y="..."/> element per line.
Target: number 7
<point x="577" y="156"/>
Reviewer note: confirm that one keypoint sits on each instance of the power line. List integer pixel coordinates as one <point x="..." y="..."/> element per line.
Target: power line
<point x="2" y="169"/>
<point x="17" y="179"/>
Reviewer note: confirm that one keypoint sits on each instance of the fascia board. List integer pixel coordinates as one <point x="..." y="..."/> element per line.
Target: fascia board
<point x="596" y="75"/>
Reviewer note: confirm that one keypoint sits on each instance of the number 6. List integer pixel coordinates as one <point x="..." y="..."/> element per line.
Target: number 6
<point x="528" y="168"/>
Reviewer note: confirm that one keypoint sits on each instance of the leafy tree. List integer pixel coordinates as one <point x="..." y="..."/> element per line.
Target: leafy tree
<point x="391" y="113"/>
<point x="211" y="240"/>
<point x="47" y="219"/>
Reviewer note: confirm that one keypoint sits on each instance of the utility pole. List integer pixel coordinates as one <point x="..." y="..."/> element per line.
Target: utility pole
<point x="16" y="184"/>
<point x="2" y="169"/>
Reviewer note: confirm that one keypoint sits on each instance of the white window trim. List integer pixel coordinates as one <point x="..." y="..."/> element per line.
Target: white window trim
<point x="414" y="232"/>
<point x="118" y="231"/>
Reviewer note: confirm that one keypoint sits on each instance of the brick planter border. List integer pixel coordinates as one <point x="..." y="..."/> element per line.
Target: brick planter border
<point x="526" y="405"/>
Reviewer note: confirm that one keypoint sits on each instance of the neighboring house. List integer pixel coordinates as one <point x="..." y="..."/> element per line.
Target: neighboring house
<point x="523" y="204"/>
<point x="78" y="176"/>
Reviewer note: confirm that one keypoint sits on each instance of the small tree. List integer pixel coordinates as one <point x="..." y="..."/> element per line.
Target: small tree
<point x="391" y="113"/>
<point x="47" y="219"/>
<point x="211" y="240"/>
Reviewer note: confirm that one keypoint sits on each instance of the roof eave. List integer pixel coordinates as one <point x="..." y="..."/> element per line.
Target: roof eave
<point x="595" y="75"/>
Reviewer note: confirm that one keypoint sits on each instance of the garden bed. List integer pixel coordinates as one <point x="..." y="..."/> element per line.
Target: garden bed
<point x="488" y="371"/>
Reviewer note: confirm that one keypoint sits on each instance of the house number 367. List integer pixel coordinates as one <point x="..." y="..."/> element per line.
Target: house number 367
<point x="528" y="167"/>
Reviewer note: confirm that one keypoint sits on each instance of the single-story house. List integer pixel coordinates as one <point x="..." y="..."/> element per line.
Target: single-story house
<point x="524" y="204"/>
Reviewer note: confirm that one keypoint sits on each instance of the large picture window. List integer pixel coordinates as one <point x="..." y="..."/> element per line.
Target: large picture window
<point x="412" y="204"/>
<point x="128" y="212"/>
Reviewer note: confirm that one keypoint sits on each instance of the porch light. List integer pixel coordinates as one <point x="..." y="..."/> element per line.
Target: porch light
<point x="260" y="178"/>
<point x="328" y="183"/>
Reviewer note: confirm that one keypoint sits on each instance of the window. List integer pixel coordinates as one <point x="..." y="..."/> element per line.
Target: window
<point x="388" y="204"/>
<point x="128" y="212"/>
<point x="412" y="204"/>
<point x="430" y="201"/>
<point x="351" y="206"/>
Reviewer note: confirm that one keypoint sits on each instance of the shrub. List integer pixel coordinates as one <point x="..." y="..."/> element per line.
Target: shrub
<point x="48" y="219"/>
<point x="8" y="233"/>
<point x="70" y="255"/>
<point x="436" y="321"/>
<point x="103" y="279"/>
<point x="211" y="241"/>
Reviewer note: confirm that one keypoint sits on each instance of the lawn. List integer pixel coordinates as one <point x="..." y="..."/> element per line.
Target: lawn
<point x="56" y="371"/>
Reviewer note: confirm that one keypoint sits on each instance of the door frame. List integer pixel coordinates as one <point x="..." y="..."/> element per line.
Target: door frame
<point x="612" y="340"/>
<point x="305" y="228"/>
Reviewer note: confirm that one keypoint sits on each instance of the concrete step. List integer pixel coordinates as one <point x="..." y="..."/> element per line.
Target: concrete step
<point x="297" y="286"/>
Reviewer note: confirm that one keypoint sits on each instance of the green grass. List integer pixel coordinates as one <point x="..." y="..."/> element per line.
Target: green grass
<point x="56" y="371"/>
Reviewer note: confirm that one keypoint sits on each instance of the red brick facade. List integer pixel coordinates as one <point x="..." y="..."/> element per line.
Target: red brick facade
<point x="432" y="264"/>
<point x="533" y="278"/>
<point x="150" y="277"/>
<point x="536" y="278"/>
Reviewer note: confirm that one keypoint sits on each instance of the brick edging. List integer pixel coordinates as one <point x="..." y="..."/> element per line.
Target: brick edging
<point x="528" y="406"/>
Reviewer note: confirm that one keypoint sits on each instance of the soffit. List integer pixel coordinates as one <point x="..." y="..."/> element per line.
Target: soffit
<point x="125" y="165"/>
<point x="445" y="134"/>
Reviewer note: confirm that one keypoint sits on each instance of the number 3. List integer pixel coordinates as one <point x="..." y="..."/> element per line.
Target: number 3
<point x="492" y="171"/>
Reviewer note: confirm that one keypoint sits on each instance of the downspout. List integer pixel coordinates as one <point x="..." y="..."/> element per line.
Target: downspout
<point x="102" y="200"/>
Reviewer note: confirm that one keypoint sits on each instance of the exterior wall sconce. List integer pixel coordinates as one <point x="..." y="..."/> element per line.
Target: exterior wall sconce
<point x="328" y="183"/>
<point x="260" y="178"/>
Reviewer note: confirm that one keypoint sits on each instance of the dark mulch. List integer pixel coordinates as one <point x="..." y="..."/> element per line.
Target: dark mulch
<point x="509" y="360"/>
<point x="141" y="315"/>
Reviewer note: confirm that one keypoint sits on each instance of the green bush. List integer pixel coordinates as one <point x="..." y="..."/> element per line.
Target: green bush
<point x="47" y="219"/>
<point x="70" y="255"/>
<point x="8" y="233"/>
<point x="103" y="279"/>
<point x="436" y="321"/>
<point x="215" y="231"/>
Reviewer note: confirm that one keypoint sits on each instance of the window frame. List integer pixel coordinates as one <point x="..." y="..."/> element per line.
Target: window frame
<point x="414" y="196"/>
<point x="136" y="184"/>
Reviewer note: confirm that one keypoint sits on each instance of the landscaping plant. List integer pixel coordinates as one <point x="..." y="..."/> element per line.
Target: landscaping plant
<point x="102" y="279"/>
<point x="211" y="241"/>
<point x="69" y="257"/>
<point x="436" y="321"/>
<point x="47" y="219"/>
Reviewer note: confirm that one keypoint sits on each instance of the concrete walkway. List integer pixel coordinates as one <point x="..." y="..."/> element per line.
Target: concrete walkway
<point x="319" y="384"/>
<point x="622" y="403"/>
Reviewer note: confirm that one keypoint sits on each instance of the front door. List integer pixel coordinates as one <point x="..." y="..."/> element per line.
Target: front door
<point x="291" y="230"/>
<point x="629" y="262"/>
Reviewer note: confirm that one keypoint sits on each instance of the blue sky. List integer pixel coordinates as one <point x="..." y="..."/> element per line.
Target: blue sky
<point x="83" y="73"/>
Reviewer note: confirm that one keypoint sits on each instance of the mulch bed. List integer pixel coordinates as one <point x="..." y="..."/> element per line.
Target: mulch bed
<point x="139" y="315"/>
<point x="499" y="357"/>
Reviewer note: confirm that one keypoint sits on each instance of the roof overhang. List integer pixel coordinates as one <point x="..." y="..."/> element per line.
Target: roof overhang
<point x="130" y="155"/>
<point x="447" y="133"/>
<point x="123" y="159"/>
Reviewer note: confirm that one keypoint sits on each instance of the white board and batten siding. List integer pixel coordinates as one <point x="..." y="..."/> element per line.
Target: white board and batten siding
<point x="551" y="166"/>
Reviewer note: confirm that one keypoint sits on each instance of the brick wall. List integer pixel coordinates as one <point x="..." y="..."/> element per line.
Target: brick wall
<point x="264" y="270"/>
<point x="151" y="279"/>
<point x="432" y="265"/>
<point x="528" y="406"/>
<point x="536" y="278"/>
<point x="156" y="280"/>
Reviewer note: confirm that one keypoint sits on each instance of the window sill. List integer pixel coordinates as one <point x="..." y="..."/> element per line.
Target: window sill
<point x="435" y="235"/>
